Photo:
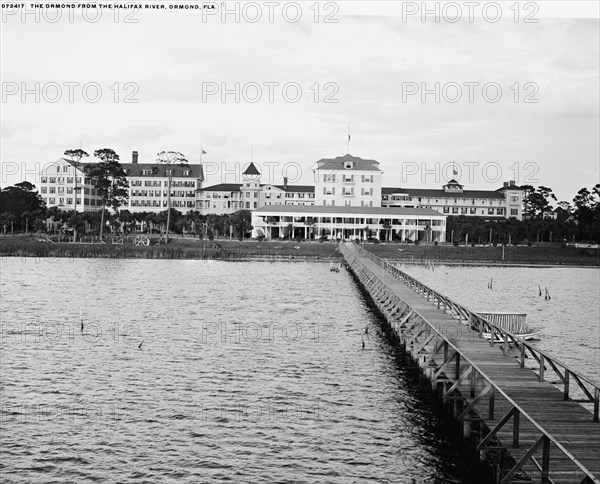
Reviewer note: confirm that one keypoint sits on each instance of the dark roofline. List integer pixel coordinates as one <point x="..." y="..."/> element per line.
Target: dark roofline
<point x="334" y="210"/>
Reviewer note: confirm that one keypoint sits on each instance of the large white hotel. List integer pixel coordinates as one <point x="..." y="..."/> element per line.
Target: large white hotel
<point x="346" y="201"/>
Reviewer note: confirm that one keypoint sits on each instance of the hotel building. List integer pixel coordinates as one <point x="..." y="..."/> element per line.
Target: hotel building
<point x="335" y="222"/>
<point x="148" y="186"/>
<point x="226" y="198"/>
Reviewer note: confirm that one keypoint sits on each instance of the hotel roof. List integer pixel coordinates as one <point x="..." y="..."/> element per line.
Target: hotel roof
<point x="251" y="170"/>
<point x="360" y="164"/>
<point x="296" y="188"/>
<point x="222" y="187"/>
<point x="433" y="193"/>
<point x="158" y="170"/>
<point x="337" y="210"/>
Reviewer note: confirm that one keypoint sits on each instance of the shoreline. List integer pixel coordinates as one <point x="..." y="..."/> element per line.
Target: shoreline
<point x="252" y="250"/>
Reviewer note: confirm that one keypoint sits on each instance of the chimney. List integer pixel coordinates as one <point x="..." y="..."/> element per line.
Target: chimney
<point x="285" y="182"/>
<point x="512" y="182"/>
<point x="505" y="184"/>
<point x="134" y="156"/>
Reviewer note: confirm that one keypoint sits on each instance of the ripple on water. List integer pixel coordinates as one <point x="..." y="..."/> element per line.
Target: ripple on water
<point x="248" y="372"/>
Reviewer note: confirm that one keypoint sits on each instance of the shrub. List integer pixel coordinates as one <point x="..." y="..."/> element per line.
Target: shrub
<point x="528" y="244"/>
<point x="435" y="243"/>
<point x="455" y="243"/>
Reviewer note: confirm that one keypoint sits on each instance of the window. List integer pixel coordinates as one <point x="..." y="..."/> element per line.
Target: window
<point x="65" y="168"/>
<point x="44" y="179"/>
<point x="51" y="200"/>
<point x="348" y="203"/>
<point x="514" y="212"/>
<point x="514" y="199"/>
<point x="473" y="211"/>
<point x="52" y="179"/>
<point x="446" y="209"/>
<point x="348" y="165"/>
<point x="463" y="210"/>
<point x="500" y="211"/>
<point x="44" y="189"/>
<point x="329" y="178"/>
<point x="367" y="178"/>
<point x="69" y="201"/>
<point x="490" y="211"/>
<point x="454" y="209"/>
<point x="58" y="169"/>
<point x="52" y="189"/>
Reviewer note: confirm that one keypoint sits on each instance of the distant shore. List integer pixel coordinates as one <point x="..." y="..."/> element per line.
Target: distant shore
<point x="178" y="248"/>
<point x="224" y="249"/>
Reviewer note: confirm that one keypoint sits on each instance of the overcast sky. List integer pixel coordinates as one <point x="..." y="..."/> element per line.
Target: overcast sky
<point x="367" y="61"/>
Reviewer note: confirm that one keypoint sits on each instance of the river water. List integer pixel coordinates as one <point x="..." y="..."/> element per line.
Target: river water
<point x="208" y="371"/>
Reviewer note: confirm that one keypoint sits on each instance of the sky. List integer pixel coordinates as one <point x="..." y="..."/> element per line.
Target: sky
<point x="485" y="97"/>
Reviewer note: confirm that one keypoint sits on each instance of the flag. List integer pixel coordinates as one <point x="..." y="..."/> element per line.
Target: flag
<point x="454" y="172"/>
<point x="203" y="152"/>
<point x="348" y="137"/>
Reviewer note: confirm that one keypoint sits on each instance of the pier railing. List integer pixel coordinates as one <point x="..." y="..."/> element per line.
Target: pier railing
<point x="590" y="390"/>
<point x="462" y="370"/>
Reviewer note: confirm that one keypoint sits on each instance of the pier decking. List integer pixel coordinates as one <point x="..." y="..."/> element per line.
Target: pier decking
<point x="538" y="415"/>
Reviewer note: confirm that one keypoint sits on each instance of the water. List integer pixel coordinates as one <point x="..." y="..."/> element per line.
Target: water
<point x="569" y="320"/>
<point x="247" y="372"/>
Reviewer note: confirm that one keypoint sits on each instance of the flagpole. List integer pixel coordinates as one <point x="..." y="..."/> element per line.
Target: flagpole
<point x="201" y="151"/>
<point x="348" y="138"/>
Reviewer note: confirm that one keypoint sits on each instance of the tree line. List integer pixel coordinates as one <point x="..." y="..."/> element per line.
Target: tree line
<point x="545" y="220"/>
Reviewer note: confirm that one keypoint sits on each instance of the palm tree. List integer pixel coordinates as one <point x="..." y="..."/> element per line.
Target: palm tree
<point x="170" y="158"/>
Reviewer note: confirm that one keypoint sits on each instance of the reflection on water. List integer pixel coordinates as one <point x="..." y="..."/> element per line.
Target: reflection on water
<point x="194" y="371"/>
<point x="569" y="320"/>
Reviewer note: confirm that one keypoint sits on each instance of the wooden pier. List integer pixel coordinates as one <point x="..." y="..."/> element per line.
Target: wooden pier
<point x="538" y="417"/>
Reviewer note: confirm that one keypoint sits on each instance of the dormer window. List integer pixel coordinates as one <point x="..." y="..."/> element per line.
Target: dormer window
<point x="146" y="172"/>
<point x="348" y="165"/>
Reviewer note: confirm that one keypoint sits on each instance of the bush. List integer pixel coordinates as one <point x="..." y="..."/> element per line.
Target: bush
<point x="528" y="244"/>
<point x="376" y="241"/>
<point x="436" y="243"/>
<point x="357" y="241"/>
<point x="472" y="244"/>
<point x="417" y="242"/>
<point x="455" y="243"/>
<point x="260" y="238"/>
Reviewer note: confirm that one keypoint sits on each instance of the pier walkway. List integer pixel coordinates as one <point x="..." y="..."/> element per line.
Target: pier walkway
<point x="534" y="416"/>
